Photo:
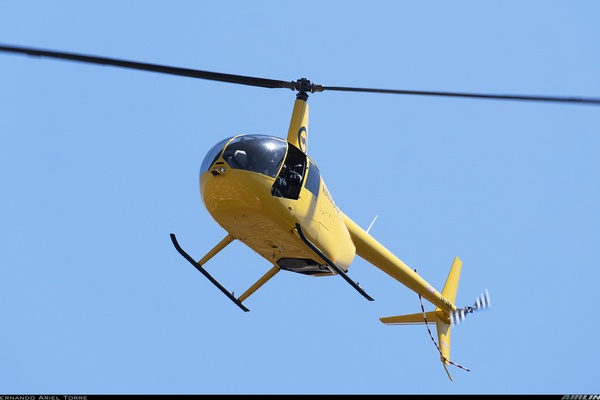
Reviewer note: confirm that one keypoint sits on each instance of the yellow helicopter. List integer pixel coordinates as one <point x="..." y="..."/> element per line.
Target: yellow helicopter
<point x="266" y="192"/>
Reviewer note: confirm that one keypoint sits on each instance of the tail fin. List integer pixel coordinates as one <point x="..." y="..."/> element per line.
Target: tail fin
<point x="442" y="319"/>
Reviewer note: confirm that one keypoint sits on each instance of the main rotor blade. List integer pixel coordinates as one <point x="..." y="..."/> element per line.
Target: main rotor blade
<point x="553" y="99"/>
<point x="193" y="73"/>
<point x="300" y="85"/>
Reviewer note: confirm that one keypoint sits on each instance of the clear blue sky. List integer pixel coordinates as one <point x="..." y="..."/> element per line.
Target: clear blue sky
<point x="100" y="164"/>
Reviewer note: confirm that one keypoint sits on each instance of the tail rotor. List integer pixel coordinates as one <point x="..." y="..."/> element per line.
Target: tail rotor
<point x="482" y="302"/>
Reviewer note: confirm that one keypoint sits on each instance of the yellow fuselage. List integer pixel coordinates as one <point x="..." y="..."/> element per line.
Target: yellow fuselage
<point x="242" y="203"/>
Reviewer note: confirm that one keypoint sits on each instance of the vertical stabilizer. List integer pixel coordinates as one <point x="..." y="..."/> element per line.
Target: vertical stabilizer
<point x="442" y="320"/>
<point x="451" y="285"/>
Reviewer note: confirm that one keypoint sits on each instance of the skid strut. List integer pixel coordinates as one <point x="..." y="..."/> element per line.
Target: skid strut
<point x="204" y="272"/>
<point x="331" y="263"/>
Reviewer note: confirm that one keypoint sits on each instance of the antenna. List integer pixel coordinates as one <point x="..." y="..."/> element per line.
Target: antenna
<point x="369" y="228"/>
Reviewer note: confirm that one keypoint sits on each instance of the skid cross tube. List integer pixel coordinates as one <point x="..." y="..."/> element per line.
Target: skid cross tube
<point x="331" y="263"/>
<point x="206" y="274"/>
<point x="270" y="273"/>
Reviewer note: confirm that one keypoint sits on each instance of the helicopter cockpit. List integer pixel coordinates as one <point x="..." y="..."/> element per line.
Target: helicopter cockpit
<point x="258" y="153"/>
<point x="267" y="155"/>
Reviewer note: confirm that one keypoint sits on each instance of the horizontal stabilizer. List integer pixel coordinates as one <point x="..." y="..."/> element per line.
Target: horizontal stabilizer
<point x="409" y="319"/>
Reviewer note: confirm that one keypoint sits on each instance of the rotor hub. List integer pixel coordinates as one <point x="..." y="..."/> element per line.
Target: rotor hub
<point x="305" y="86"/>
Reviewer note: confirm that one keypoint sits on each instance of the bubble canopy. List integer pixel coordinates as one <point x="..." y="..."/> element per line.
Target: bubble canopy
<point x="258" y="153"/>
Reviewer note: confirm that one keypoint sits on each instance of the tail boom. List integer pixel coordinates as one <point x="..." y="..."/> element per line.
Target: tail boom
<point x="375" y="253"/>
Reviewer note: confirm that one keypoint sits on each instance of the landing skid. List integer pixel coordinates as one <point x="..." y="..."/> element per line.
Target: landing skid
<point x="206" y="274"/>
<point x="331" y="263"/>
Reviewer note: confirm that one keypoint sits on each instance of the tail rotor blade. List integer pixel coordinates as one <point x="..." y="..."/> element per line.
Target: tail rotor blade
<point x="482" y="302"/>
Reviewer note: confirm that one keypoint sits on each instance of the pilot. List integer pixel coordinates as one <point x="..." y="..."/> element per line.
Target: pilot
<point x="293" y="177"/>
<point x="286" y="179"/>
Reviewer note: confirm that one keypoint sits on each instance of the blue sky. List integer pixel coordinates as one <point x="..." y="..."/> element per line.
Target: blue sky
<point x="100" y="164"/>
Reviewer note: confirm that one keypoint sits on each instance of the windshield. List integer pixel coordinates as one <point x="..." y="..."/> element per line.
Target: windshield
<point x="258" y="153"/>
<point x="213" y="154"/>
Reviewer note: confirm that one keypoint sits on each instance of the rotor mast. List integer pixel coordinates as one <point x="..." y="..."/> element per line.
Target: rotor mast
<point x="298" y="131"/>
